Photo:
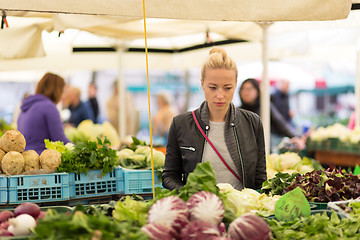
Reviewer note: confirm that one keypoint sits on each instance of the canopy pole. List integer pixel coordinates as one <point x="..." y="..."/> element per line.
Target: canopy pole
<point x="121" y="95"/>
<point x="265" y="87"/>
<point x="357" y="91"/>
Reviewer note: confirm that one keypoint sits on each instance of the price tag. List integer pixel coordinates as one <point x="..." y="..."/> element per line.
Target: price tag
<point x="356" y="170"/>
<point x="292" y="205"/>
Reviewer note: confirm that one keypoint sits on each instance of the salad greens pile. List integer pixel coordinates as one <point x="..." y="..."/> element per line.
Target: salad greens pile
<point x="132" y="211"/>
<point x="327" y="186"/>
<point x="86" y="156"/>
<point x="78" y="225"/>
<point x="318" y="226"/>
<point x="276" y="185"/>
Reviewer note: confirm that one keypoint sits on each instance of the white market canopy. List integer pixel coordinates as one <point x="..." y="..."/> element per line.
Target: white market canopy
<point x="221" y="10"/>
<point x="214" y="10"/>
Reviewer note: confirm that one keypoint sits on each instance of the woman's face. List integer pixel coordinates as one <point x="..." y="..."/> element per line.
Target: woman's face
<point x="248" y="93"/>
<point x="219" y="87"/>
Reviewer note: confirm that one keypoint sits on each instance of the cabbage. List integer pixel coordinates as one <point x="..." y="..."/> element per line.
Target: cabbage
<point x="159" y="232"/>
<point x="249" y="200"/>
<point x="249" y="226"/>
<point x="170" y="211"/>
<point x="225" y="187"/>
<point x="143" y="150"/>
<point x="137" y="157"/>
<point x="241" y="202"/>
<point x="159" y="159"/>
<point x="206" y="206"/>
<point x="199" y="230"/>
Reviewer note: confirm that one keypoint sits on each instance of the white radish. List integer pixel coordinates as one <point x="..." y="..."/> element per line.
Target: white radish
<point x="21" y="225"/>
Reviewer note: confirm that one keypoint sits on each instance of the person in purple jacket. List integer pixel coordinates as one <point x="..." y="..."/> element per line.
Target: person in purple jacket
<point x="39" y="118"/>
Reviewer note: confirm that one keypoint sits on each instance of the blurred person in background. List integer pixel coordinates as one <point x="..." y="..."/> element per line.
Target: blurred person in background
<point x="17" y="110"/>
<point x="162" y="119"/>
<point x="92" y="102"/>
<point x="352" y="121"/>
<point x="39" y="118"/>
<point x="250" y="100"/>
<point x="112" y="107"/>
<point x="78" y="109"/>
<point x="280" y="99"/>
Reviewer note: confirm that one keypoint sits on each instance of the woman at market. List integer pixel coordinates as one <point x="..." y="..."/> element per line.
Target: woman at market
<point x="231" y="139"/>
<point x="250" y="100"/>
<point x="39" y="118"/>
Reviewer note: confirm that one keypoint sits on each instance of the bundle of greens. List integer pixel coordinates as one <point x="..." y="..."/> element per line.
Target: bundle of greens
<point x="318" y="226"/>
<point x="86" y="156"/>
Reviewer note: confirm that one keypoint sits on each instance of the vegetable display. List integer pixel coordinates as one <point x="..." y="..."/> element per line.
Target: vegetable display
<point x="277" y="184"/>
<point x="326" y="186"/>
<point x="248" y="201"/>
<point x="86" y="156"/>
<point x="88" y="131"/>
<point x="317" y="226"/>
<point x="171" y="211"/>
<point x="249" y="226"/>
<point x="138" y="156"/>
<point x="289" y="162"/>
<point x="12" y="144"/>
<point x="199" y="205"/>
<point x="78" y="225"/>
<point x="21" y="221"/>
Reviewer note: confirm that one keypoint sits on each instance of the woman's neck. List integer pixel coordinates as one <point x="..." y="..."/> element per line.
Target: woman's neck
<point x="218" y="115"/>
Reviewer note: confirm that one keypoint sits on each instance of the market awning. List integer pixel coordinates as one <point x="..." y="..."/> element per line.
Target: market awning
<point x="230" y="10"/>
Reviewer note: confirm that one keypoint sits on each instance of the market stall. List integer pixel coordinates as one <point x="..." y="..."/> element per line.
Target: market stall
<point x="201" y="209"/>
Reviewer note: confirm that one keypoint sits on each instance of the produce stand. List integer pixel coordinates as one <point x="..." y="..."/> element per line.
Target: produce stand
<point x="346" y="159"/>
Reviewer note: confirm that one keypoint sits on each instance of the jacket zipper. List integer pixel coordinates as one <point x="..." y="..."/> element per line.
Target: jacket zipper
<point x="188" y="148"/>
<point x="241" y="160"/>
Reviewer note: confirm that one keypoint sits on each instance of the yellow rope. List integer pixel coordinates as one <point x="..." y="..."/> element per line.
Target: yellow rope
<point x="148" y="93"/>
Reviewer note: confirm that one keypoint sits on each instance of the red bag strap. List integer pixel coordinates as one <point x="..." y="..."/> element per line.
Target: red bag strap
<point x="213" y="147"/>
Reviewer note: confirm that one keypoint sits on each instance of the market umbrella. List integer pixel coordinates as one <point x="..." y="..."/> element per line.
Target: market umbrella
<point x="230" y="10"/>
<point x="240" y="10"/>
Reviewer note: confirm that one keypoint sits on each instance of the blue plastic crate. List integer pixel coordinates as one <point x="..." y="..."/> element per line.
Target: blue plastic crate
<point x="95" y="184"/>
<point x="38" y="188"/>
<point x="3" y="195"/>
<point x="3" y="189"/>
<point x="139" y="181"/>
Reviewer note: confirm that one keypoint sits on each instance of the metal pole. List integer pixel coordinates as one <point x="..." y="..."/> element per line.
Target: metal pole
<point x="357" y="91"/>
<point x="121" y="95"/>
<point x="265" y="87"/>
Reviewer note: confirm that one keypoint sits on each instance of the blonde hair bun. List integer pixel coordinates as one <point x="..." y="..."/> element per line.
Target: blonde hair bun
<point x="218" y="59"/>
<point x="218" y="50"/>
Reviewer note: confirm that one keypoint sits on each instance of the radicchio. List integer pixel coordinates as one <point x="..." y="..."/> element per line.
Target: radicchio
<point x="199" y="230"/>
<point x="170" y="211"/>
<point x="249" y="226"/>
<point x="206" y="206"/>
<point x="159" y="232"/>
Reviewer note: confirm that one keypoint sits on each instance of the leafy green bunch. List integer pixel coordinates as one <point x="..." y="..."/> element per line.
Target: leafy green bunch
<point x="86" y="156"/>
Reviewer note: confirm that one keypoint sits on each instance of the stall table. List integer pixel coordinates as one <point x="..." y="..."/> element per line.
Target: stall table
<point x="345" y="159"/>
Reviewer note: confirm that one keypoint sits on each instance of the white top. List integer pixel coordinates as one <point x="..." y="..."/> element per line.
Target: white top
<point x="217" y="137"/>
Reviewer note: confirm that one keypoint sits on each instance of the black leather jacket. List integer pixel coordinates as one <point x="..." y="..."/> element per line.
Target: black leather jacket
<point x="185" y="147"/>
